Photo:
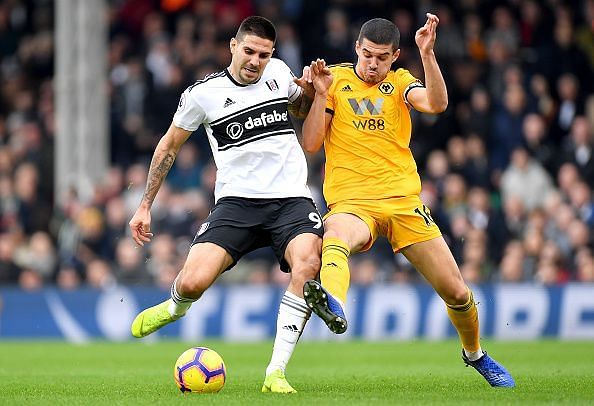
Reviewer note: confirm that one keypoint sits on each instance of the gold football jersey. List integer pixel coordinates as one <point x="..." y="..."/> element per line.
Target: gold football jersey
<point x="367" y="143"/>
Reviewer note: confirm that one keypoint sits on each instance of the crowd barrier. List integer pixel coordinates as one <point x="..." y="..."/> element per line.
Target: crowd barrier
<point x="248" y="313"/>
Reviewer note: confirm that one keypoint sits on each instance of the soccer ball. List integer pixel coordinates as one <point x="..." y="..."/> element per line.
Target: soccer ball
<point x="200" y="370"/>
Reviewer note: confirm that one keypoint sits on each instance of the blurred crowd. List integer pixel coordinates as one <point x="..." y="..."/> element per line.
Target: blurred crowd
<point x="507" y="170"/>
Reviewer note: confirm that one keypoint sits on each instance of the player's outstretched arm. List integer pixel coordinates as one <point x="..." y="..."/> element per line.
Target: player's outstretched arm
<point x="161" y="163"/>
<point x="317" y="121"/>
<point x="434" y="97"/>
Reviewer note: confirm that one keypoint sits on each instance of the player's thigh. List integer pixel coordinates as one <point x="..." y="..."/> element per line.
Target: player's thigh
<point x="303" y="256"/>
<point x="205" y="262"/>
<point x="356" y="229"/>
<point x="434" y="260"/>
<point x="296" y="232"/>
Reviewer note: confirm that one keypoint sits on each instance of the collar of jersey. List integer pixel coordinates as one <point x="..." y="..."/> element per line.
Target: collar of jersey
<point x="356" y="74"/>
<point x="235" y="82"/>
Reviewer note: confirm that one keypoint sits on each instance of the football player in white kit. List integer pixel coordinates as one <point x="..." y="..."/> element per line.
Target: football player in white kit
<point x="261" y="195"/>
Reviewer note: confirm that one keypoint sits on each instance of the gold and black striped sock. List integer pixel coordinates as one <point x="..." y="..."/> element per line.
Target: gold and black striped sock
<point x="335" y="275"/>
<point x="464" y="317"/>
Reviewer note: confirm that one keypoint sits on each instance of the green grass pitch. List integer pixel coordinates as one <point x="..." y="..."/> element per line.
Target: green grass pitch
<point x="345" y="373"/>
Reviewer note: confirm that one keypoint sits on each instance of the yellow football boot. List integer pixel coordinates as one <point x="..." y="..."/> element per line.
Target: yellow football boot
<point x="276" y="382"/>
<point x="150" y="320"/>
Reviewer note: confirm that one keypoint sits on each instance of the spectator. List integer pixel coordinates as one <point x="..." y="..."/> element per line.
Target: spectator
<point x="557" y="229"/>
<point x="474" y="39"/>
<point x="525" y="179"/>
<point x="548" y="273"/>
<point x="289" y="47"/>
<point x="68" y="278"/>
<point x="478" y="165"/>
<point x="99" y="275"/>
<point x="482" y="216"/>
<point x="185" y="173"/>
<point x="475" y="255"/>
<point x="579" y="148"/>
<point x="541" y="101"/>
<point x="450" y="43"/>
<point x="457" y="156"/>
<point x="511" y="268"/>
<point x="584" y="35"/>
<point x="454" y="195"/>
<point x="37" y="255"/>
<point x="480" y="115"/>
<point x="436" y="171"/>
<point x="130" y="266"/>
<point x="585" y="265"/>
<point x="337" y="42"/>
<point x="515" y="216"/>
<point x="581" y="200"/>
<point x="507" y="127"/>
<point x="562" y="55"/>
<point x="567" y="177"/>
<point x="504" y="29"/>
<point x="569" y="106"/>
<point x="537" y="143"/>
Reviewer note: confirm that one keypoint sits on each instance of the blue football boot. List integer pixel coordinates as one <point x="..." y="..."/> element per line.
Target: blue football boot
<point x="491" y="370"/>
<point x="325" y="306"/>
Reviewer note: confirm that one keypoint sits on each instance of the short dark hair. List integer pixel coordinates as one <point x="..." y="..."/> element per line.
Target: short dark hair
<point x="380" y="31"/>
<point x="258" y="26"/>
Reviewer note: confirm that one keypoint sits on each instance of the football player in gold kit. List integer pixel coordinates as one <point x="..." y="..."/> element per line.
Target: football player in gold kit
<point x="361" y="115"/>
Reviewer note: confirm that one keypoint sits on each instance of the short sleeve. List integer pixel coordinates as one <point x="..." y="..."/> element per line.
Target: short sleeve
<point x="406" y="82"/>
<point x="189" y="114"/>
<point x="294" y="89"/>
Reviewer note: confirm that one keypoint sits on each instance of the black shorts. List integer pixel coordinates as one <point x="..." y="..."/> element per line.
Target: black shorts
<point x="241" y="225"/>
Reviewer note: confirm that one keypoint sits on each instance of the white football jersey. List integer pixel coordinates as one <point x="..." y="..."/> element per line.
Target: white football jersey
<point x="253" y="142"/>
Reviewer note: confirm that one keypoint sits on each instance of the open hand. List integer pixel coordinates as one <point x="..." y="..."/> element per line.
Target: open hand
<point x="425" y="36"/>
<point x="321" y="76"/>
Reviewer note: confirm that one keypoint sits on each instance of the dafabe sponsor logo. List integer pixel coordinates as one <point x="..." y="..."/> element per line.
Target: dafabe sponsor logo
<point x="264" y="119"/>
<point x="235" y="129"/>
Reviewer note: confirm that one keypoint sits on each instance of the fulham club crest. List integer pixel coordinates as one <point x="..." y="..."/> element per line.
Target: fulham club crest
<point x="272" y="85"/>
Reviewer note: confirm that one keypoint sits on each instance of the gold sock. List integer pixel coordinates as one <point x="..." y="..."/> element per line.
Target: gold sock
<point x="335" y="275"/>
<point x="465" y="318"/>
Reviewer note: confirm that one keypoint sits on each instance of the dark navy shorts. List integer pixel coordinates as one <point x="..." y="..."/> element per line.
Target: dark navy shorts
<point x="241" y="225"/>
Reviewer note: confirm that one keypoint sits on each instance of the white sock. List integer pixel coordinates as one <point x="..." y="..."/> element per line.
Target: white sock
<point x="474" y="355"/>
<point x="179" y="305"/>
<point x="293" y="313"/>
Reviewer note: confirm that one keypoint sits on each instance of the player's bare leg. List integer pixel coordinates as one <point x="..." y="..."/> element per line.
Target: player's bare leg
<point x="205" y="262"/>
<point x="303" y="257"/>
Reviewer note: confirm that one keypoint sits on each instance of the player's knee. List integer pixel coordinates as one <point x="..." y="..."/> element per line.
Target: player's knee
<point x="191" y="286"/>
<point x="306" y="269"/>
<point x="458" y="295"/>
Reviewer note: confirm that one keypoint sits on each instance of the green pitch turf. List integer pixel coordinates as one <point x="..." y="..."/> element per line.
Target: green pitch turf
<point x="138" y="373"/>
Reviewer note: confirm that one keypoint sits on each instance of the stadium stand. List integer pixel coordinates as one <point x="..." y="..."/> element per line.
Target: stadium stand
<point x="507" y="170"/>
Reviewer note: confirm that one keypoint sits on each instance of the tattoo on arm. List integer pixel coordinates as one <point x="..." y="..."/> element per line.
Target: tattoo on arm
<point x="160" y="165"/>
<point x="301" y="106"/>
